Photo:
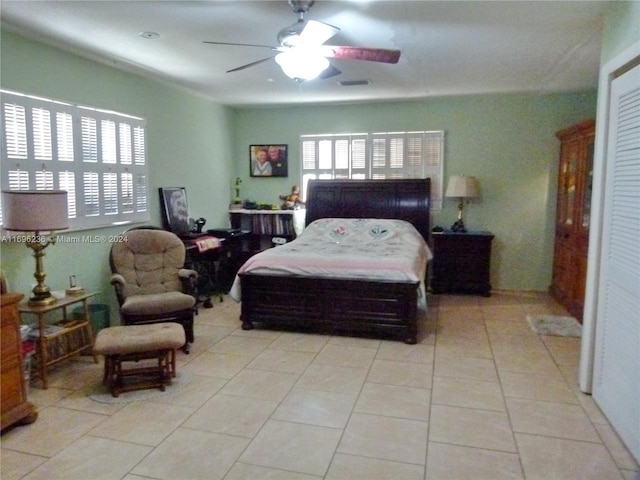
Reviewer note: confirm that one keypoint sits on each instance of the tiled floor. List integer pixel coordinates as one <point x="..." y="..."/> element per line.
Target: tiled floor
<point x="480" y="397"/>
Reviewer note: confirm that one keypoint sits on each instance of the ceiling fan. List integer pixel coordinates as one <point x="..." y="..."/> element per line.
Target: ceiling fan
<point x="302" y="53"/>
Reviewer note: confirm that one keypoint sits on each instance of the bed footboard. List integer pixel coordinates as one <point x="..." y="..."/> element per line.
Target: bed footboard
<point x="350" y="306"/>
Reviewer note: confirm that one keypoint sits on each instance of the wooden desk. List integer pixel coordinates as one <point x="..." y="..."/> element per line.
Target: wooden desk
<point x="71" y="336"/>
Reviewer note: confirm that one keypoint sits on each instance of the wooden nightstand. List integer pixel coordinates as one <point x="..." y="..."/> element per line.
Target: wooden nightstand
<point x="461" y="262"/>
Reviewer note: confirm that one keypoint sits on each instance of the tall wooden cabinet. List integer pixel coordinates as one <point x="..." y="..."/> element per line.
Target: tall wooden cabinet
<point x="15" y="406"/>
<point x="573" y="212"/>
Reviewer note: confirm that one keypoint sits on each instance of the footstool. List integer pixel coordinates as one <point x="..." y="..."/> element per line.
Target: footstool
<point x="133" y="343"/>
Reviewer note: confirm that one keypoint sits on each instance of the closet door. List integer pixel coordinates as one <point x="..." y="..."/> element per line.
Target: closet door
<point x="616" y="386"/>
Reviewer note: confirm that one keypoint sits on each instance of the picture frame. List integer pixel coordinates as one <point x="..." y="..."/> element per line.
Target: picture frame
<point x="268" y="160"/>
<point x="175" y="209"/>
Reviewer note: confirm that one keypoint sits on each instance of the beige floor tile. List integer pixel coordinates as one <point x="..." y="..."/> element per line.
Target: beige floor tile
<point x="195" y="394"/>
<point x="345" y="356"/>
<point x="192" y="454"/>
<point x="54" y="429"/>
<point x="91" y="457"/>
<point x="394" y="401"/>
<point x="260" y="384"/>
<point x="144" y="423"/>
<point x="618" y="450"/>
<point x="564" y="350"/>
<point x="447" y="365"/>
<point x="477" y="347"/>
<point x="465" y="392"/>
<point x="507" y="344"/>
<point x="282" y="361"/>
<point x="401" y="352"/>
<point x="43" y="398"/>
<point x="386" y="438"/>
<point x="316" y="407"/>
<point x="548" y="388"/>
<point x="243" y="471"/>
<point x="15" y="465"/>
<point x="471" y="428"/>
<point x="406" y="374"/>
<point x="243" y="345"/>
<point x="544" y="458"/>
<point x="79" y="400"/>
<point x="332" y="379"/>
<point x="446" y="462"/>
<point x="352" y="467"/>
<point x="232" y="415"/>
<point x="525" y="362"/>
<point x="552" y="419"/>
<point x="295" y="447"/>
<point x="354" y="342"/>
<point x="508" y="326"/>
<point x="221" y="365"/>
<point x="300" y="342"/>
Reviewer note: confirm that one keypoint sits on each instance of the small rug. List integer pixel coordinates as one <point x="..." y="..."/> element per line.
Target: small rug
<point x="555" y="325"/>
<point x="100" y="393"/>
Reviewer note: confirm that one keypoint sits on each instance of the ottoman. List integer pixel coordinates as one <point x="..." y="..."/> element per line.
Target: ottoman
<point x="139" y="343"/>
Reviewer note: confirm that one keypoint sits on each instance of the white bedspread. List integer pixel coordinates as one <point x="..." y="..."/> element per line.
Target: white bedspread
<point x="347" y="248"/>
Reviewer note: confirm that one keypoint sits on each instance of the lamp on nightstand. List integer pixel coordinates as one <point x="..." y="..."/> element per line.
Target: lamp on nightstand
<point x="461" y="187"/>
<point x="35" y="212"/>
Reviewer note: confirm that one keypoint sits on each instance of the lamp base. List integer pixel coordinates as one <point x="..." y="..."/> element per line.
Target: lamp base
<point x="459" y="227"/>
<point x="42" y="300"/>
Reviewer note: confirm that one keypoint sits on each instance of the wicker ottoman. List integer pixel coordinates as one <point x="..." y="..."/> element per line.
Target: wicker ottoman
<point x="135" y="343"/>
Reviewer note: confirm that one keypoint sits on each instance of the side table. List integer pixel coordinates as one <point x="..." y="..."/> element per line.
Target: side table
<point x="61" y="338"/>
<point x="461" y="262"/>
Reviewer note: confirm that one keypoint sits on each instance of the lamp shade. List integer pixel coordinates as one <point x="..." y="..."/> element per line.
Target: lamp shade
<point x="35" y="211"/>
<point x="462" y="186"/>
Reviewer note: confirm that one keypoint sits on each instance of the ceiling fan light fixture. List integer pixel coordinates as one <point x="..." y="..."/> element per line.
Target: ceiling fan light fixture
<point x="301" y="65"/>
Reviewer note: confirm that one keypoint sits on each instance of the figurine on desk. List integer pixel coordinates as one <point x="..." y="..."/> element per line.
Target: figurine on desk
<point x="292" y="201"/>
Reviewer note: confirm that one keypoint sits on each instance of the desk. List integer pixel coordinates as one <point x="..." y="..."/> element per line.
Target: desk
<point x="63" y="338"/>
<point x="203" y="255"/>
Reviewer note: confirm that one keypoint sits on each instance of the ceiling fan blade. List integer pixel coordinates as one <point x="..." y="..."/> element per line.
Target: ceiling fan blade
<point x="329" y="72"/>
<point x="362" y="53"/>
<point x="237" y="69"/>
<point x="316" y="33"/>
<point x="241" y="44"/>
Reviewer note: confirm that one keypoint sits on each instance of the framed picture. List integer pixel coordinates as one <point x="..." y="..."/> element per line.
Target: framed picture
<point x="175" y="209"/>
<point x="268" y="160"/>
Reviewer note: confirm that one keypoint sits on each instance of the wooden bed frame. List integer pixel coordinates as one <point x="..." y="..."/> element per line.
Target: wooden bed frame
<point x="354" y="306"/>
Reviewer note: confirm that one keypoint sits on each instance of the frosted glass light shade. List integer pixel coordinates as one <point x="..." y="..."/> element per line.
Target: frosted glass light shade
<point x="300" y="64"/>
<point x="34" y="210"/>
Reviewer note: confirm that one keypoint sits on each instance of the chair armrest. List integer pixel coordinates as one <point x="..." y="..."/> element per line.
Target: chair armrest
<point x="187" y="273"/>
<point x="189" y="280"/>
<point x="118" y="280"/>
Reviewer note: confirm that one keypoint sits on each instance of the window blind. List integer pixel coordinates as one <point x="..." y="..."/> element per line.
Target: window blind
<point x="97" y="156"/>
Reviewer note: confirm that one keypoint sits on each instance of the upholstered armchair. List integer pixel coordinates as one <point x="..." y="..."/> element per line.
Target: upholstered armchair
<point x="150" y="282"/>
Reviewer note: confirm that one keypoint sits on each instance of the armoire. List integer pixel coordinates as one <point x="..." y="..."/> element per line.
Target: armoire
<point x="573" y="211"/>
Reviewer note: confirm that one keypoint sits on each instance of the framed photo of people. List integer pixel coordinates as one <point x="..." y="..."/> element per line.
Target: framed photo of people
<point x="175" y="209"/>
<point x="268" y="160"/>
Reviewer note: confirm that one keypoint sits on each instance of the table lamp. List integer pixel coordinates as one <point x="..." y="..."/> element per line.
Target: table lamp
<point x="35" y="212"/>
<point x="462" y="187"/>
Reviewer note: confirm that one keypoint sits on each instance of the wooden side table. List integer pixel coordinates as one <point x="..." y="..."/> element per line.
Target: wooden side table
<point x="62" y="338"/>
<point x="461" y="262"/>
<point x="13" y="391"/>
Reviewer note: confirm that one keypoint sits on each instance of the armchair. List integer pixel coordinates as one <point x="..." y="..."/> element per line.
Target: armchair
<point x="150" y="282"/>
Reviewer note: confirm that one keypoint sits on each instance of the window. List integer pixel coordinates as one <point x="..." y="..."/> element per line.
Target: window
<point x="97" y="156"/>
<point x="375" y="156"/>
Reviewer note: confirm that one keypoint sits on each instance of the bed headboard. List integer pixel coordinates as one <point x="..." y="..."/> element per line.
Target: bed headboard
<point x="406" y="199"/>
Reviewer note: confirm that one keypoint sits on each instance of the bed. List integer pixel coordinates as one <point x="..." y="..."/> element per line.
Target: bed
<point x="382" y="307"/>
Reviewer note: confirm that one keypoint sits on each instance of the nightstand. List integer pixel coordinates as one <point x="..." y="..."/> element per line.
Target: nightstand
<point x="461" y="262"/>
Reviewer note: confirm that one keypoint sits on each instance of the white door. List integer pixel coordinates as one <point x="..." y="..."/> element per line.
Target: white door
<point x="616" y="381"/>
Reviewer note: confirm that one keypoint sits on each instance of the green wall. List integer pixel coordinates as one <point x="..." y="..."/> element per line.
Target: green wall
<point x="188" y="144"/>
<point x="507" y="141"/>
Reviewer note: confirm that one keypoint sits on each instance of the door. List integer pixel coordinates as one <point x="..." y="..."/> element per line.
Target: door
<point x="616" y="381"/>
